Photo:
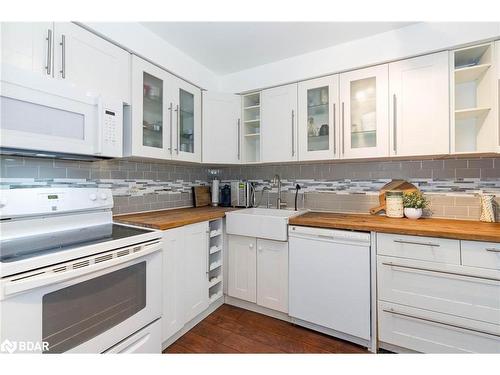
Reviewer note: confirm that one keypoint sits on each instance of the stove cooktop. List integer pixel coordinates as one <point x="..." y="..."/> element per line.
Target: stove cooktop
<point x="13" y="250"/>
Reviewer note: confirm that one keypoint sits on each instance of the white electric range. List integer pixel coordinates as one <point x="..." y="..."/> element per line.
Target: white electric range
<point x="71" y="279"/>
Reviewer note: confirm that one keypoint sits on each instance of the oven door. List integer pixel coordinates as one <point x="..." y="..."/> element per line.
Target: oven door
<point x="84" y="306"/>
<point x="46" y="114"/>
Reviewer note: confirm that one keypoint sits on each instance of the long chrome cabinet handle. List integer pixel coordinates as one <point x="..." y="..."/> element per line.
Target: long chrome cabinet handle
<point x="63" y="56"/>
<point x="48" y="67"/>
<point x="239" y="140"/>
<point x="334" y="131"/>
<point x="177" y="118"/>
<point x="293" y="134"/>
<point x="390" y="264"/>
<point x="418" y="243"/>
<point x="170" y="108"/>
<point x="493" y="250"/>
<point x="343" y="134"/>
<point x="391" y="311"/>
<point x="394" y="126"/>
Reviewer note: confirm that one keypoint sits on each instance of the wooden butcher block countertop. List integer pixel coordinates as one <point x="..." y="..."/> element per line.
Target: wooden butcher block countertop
<point x="168" y="219"/>
<point x="445" y="228"/>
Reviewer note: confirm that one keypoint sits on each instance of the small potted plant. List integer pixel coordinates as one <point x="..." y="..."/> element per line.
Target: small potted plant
<point x="413" y="204"/>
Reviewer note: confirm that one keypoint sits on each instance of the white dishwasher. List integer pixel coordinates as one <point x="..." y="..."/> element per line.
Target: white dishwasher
<point x="329" y="279"/>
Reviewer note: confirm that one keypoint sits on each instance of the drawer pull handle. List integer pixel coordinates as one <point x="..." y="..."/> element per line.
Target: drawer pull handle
<point x="418" y="243"/>
<point x="390" y="264"/>
<point x="391" y="311"/>
<point x="493" y="250"/>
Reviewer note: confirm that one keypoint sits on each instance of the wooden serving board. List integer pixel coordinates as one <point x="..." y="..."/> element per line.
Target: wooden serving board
<point x="401" y="185"/>
<point x="201" y="196"/>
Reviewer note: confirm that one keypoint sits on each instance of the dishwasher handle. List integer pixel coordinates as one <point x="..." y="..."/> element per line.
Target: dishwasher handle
<point x="332" y="235"/>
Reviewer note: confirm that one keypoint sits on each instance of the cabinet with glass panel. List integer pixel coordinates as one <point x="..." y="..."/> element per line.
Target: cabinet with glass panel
<point x="165" y="120"/>
<point x="364" y="120"/>
<point x="318" y="118"/>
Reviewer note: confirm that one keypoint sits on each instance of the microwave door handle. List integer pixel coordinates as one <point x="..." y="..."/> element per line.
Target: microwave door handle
<point x="100" y="119"/>
<point x="43" y="280"/>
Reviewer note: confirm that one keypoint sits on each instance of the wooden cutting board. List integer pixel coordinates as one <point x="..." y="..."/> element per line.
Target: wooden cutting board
<point x="201" y="196"/>
<point x="401" y="185"/>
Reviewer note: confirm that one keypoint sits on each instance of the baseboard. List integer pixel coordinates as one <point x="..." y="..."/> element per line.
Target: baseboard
<point x="395" y="348"/>
<point x="333" y="333"/>
<point x="176" y="336"/>
<point x="256" y="308"/>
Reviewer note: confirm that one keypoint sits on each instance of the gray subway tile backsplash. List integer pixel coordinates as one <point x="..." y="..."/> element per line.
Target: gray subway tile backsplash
<point x="451" y="184"/>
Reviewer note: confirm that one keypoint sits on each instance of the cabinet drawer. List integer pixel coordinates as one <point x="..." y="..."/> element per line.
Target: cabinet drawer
<point x="440" y="288"/>
<point x="430" y="332"/>
<point x="422" y="248"/>
<point x="481" y="254"/>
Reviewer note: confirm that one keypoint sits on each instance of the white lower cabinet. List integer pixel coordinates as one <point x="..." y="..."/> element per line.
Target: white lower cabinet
<point x="195" y="286"/>
<point x="258" y="271"/>
<point x="433" y="332"/>
<point x="242" y="276"/>
<point x="185" y="277"/>
<point x="447" y="303"/>
<point x="272" y="274"/>
<point x="173" y="273"/>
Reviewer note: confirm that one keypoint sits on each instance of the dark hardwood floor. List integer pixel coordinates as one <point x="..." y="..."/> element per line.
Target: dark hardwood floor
<point x="230" y="329"/>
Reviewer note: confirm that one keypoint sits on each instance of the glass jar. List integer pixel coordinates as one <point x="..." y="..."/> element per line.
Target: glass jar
<point x="394" y="203"/>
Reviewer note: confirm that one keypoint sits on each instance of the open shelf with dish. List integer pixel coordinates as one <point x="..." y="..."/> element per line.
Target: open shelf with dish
<point x="473" y="89"/>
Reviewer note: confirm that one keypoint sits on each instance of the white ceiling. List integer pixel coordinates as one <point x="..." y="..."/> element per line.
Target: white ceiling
<point x="227" y="47"/>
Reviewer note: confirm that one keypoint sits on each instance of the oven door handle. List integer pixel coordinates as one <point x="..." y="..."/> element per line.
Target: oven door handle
<point x="45" y="279"/>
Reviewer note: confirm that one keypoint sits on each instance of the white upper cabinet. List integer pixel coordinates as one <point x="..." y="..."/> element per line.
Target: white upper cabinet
<point x="166" y="115"/>
<point x="317" y="119"/>
<point x="419" y="106"/>
<point x="87" y="61"/>
<point x="187" y="132"/>
<point x="221" y="128"/>
<point x="497" y="49"/>
<point x="28" y="46"/>
<point x="149" y="132"/>
<point x="278" y="124"/>
<point x="364" y="113"/>
<point x="65" y="51"/>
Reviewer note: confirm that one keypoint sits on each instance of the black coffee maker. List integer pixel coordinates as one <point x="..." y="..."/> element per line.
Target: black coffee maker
<point x="225" y="196"/>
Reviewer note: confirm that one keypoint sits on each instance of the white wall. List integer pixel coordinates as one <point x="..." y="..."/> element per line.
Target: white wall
<point x="139" y="39"/>
<point x="409" y="41"/>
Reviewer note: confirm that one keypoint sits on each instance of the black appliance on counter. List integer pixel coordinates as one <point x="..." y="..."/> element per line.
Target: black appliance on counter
<point x="225" y="196"/>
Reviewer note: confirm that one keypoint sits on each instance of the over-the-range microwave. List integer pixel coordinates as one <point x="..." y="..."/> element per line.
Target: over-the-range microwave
<point x="37" y="113"/>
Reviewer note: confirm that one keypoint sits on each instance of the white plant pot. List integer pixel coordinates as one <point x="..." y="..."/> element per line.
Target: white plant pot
<point x="413" y="213"/>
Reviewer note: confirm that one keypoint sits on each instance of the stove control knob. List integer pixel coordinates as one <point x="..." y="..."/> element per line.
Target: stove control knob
<point x="93" y="197"/>
<point x="103" y="196"/>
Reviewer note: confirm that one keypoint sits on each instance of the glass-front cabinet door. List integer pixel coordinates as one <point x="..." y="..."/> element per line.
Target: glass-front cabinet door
<point x="152" y="111"/>
<point x="318" y="118"/>
<point x="187" y="124"/>
<point x="364" y="117"/>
